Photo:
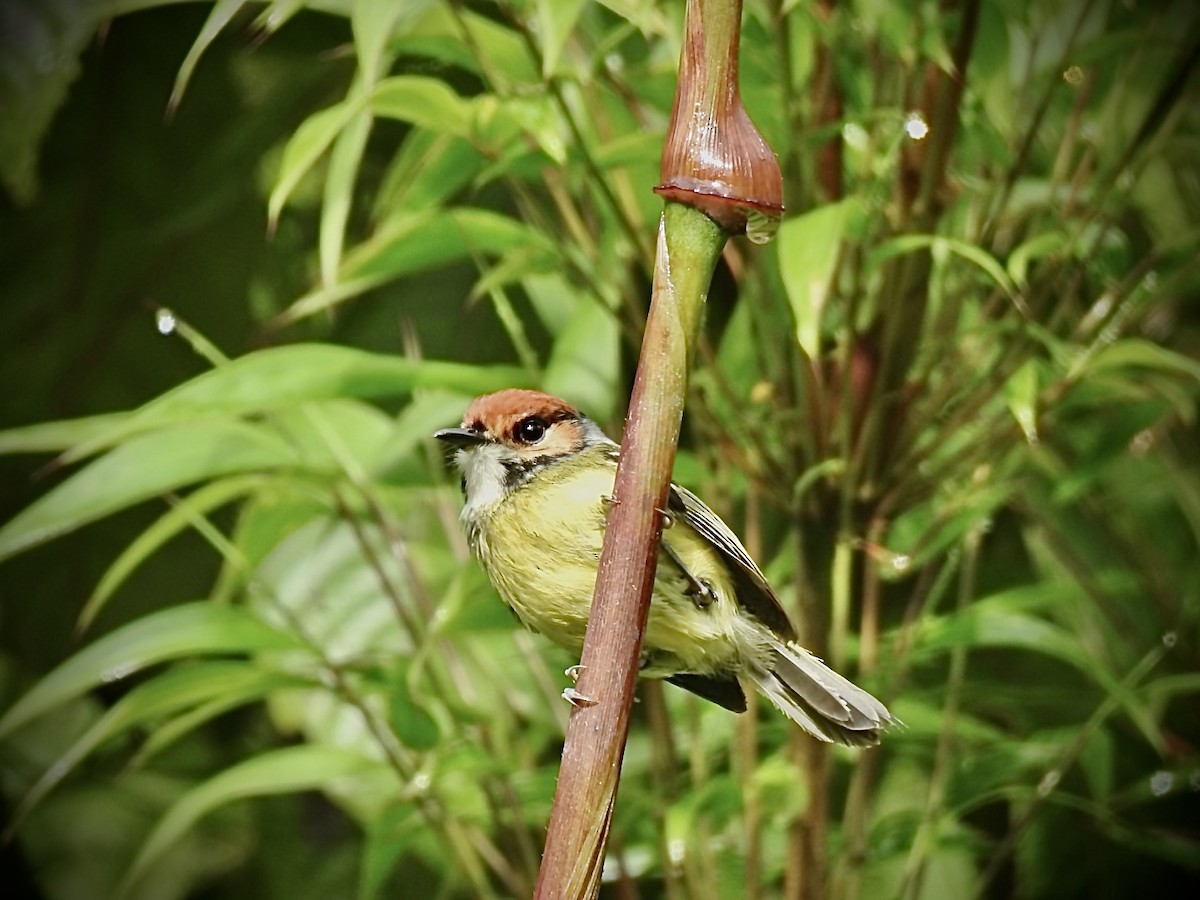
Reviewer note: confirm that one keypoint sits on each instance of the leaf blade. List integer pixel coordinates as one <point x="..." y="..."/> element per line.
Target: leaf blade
<point x="191" y="629"/>
<point x="146" y="466"/>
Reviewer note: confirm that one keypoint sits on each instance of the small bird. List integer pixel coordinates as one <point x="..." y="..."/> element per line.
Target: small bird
<point x="537" y="477"/>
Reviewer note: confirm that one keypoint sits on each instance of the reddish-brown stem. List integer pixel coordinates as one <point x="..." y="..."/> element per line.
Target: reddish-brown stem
<point x="718" y="172"/>
<point x="689" y="244"/>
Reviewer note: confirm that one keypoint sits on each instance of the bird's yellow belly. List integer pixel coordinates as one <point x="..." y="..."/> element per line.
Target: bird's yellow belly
<point x="541" y="550"/>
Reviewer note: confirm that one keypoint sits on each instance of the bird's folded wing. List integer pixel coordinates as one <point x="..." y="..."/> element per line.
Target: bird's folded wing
<point x="753" y="592"/>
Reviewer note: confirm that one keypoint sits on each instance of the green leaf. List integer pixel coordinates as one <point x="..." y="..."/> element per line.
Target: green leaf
<point x="1098" y="759"/>
<point x="373" y="22"/>
<point x="189" y="630"/>
<point x="414" y="243"/>
<point x="555" y="19"/>
<point x="284" y="771"/>
<point x="415" y="727"/>
<point x="1137" y="353"/>
<point x="427" y="172"/>
<point x="1021" y="394"/>
<point x="473" y="41"/>
<point x="435" y="240"/>
<point x="808" y="255"/>
<point x="384" y="844"/>
<point x="503" y="128"/>
<point x="222" y="12"/>
<point x="339" y="435"/>
<point x="277" y="14"/>
<point x="649" y="19"/>
<point x="273" y="513"/>
<point x="1035" y="248"/>
<point x="40" y="45"/>
<point x="344" y="163"/>
<point x="992" y="623"/>
<point x="285" y="376"/>
<point x="939" y="245"/>
<point x="145" y="467"/>
<point x="303" y="149"/>
<point x="398" y="461"/>
<point x="179" y="517"/>
<point x="49" y="437"/>
<point x="422" y="101"/>
<point x="234" y="683"/>
<point x="584" y="362"/>
<point x="1002" y="620"/>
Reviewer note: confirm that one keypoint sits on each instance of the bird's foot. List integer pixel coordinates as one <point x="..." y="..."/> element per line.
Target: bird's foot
<point x="702" y="594"/>
<point x="700" y="591"/>
<point x="577" y="699"/>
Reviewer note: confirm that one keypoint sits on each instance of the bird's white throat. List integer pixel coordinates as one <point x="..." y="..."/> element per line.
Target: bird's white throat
<point x="483" y="472"/>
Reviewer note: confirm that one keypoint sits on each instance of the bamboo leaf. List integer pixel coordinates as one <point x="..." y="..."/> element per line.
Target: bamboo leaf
<point x="555" y="19"/>
<point x="411" y="722"/>
<point x="284" y="771"/>
<point x="427" y="172"/>
<point x="1021" y="393"/>
<point x="144" y="467"/>
<point x="937" y="244"/>
<point x="422" y="101"/>
<point x="221" y="14"/>
<point x="49" y="437"/>
<point x="303" y="149"/>
<point x="189" y="630"/>
<point x="1136" y="353"/>
<point x="373" y="22"/>
<point x="234" y="683"/>
<point x="344" y="163"/>
<point x="808" y="255"/>
<point x="176" y="519"/>
<point x="286" y="376"/>
<point x="584" y="362"/>
<point x="414" y="243"/>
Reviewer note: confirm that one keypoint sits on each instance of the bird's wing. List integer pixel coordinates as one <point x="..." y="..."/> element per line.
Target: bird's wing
<point x="753" y="592"/>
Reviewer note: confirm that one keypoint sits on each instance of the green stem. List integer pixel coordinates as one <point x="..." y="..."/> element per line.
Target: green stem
<point x="841" y="583"/>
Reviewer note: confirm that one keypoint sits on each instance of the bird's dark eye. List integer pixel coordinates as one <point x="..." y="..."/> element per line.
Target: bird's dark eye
<point x="531" y="430"/>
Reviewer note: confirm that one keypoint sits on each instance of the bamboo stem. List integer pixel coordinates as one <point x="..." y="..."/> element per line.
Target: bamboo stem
<point x="689" y="244"/>
<point x="718" y="177"/>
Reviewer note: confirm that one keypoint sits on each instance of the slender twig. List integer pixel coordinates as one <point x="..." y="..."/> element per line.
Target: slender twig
<point x="664" y="766"/>
<point x="469" y="846"/>
<point x="747" y="735"/>
<point x="924" y="841"/>
<point x="1032" y="132"/>
<point x="1053" y="776"/>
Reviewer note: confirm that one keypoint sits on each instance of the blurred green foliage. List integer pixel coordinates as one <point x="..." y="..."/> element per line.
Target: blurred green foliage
<point x="253" y="255"/>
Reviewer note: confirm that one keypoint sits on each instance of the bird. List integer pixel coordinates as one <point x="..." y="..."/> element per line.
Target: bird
<point x="537" y="478"/>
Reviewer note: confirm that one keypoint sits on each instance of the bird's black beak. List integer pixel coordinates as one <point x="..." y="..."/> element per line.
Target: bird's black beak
<point x="460" y="437"/>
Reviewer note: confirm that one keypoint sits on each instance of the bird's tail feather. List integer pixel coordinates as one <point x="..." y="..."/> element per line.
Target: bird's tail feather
<point x="819" y="700"/>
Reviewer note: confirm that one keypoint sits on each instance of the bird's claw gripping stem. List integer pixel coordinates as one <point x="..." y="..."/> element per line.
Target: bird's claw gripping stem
<point x="699" y="590"/>
<point x="577" y="699"/>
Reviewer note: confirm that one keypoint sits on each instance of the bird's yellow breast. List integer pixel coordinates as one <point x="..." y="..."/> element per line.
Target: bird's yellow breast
<point x="540" y="545"/>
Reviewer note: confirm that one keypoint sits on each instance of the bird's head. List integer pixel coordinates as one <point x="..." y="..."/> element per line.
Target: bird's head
<point x="508" y="437"/>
